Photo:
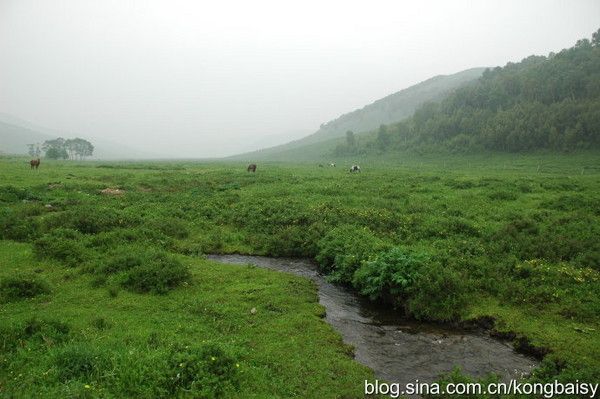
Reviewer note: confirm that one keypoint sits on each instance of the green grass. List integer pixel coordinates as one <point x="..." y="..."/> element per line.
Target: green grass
<point x="508" y="236"/>
<point x="284" y="350"/>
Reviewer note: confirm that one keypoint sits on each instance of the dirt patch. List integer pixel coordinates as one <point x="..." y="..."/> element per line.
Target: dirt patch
<point x="112" y="191"/>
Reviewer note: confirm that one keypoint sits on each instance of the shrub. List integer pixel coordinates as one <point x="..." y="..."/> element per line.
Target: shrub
<point x="78" y="361"/>
<point x="144" y="271"/>
<point x="110" y="239"/>
<point x="64" y="245"/>
<point x="101" y="323"/>
<point x="92" y="219"/>
<point x="21" y="287"/>
<point x="295" y="241"/>
<point x="391" y="275"/>
<point x="10" y="194"/>
<point x="439" y="293"/>
<point x="206" y="371"/>
<point x="344" y="248"/>
<point x="171" y="227"/>
<point x="121" y="259"/>
<point x="16" y="227"/>
<point x="33" y="331"/>
<point x="156" y="277"/>
<point x="503" y="195"/>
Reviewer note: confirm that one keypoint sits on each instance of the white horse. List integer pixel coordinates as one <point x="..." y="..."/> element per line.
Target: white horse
<point x="355" y="168"/>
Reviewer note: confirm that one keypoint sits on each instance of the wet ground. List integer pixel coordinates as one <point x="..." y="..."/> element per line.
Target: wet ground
<point x="397" y="349"/>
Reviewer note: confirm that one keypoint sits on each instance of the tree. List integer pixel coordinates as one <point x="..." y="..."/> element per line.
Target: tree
<point x="34" y="150"/>
<point x="79" y="148"/>
<point x="56" y="153"/>
<point x="350" y="139"/>
<point x="383" y="137"/>
<point x="60" y="148"/>
<point x="596" y="38"/>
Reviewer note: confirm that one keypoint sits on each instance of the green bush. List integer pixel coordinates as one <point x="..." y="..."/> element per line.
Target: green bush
<point x="92" y="219"/>
<point x="295" y="241"/>
<point x="20" y="287"/>
<point x="171" y="227"/>
<point x="34" y="332"/>
<point x="391" y="275"/>
<point x="425" y="289"/>
<point x="80" y="361"/>
<point x="439" y="293"/>
<point x="343" y="249"/>
<point x="136" y="235"/>
<point x="145" y="271"/>
<point x="64" y="245"/>
<point x="122" y="259"/>
<point x="206" y="371"/>
<point x="14" y="226"/>
<point x="10" y="194"/>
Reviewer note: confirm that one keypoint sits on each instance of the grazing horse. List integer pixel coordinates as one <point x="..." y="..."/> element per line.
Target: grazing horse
<point x="252" y="168"/>
<point x="355" y="168"/>
<point x="34" y="163"/>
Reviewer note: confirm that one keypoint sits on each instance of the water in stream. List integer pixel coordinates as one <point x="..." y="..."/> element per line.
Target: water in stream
<point x="399" y="350"/>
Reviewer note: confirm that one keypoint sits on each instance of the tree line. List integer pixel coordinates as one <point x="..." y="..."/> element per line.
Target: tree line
<point x="541" y="103"/>
<point x="61" y="148"/>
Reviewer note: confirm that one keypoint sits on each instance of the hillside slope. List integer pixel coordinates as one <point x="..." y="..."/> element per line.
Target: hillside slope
<point x="16" y="133"/>
<point x="549" y="103"/>
<point x="392" y="108"/>
<point x="14" y="139"/>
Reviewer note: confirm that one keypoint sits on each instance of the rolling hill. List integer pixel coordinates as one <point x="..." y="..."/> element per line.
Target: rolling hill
<point x="16" y="133"/>
<point x="392" y="108"/>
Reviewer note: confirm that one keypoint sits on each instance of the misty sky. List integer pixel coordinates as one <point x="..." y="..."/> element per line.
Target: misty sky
<point x="198" y="79"/>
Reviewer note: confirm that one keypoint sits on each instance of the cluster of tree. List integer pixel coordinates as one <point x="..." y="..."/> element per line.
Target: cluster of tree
<point x="539" y="103"/>
<point x="350" y="147"/>
<point x="60" y="148"/>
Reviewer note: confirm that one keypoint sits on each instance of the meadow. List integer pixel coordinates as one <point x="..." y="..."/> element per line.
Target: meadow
<point x="107" y="294"/>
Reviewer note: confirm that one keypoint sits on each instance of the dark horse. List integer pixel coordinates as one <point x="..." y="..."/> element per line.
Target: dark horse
<point x="34" y="163"/>
<point x="252" y="168"/>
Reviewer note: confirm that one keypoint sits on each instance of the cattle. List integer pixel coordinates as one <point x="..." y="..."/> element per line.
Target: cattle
<point x="320" y="165"/>
<point x="332" y="165"/>
<point x="34" y="163"/>
<point x="355" y="168"/>
<point x="252" y="168"/>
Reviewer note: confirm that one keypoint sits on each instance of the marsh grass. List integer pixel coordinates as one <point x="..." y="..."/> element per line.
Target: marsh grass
<point x="438" y="238"/>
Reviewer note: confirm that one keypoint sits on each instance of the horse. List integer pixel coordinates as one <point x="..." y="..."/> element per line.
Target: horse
<point x="332" y="165"/>
<point x="355" y="168"/>
<point x="34" y="163"/>
<point x="252" y="168"/>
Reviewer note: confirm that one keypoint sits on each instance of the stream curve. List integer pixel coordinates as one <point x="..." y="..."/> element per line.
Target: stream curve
<point x="395" y="348"/>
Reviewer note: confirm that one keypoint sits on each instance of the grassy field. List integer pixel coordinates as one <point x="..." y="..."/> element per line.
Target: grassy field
<point x="106" y="294"/>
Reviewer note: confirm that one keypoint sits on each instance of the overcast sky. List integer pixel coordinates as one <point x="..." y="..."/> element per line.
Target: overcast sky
<point x="196" y="79"/>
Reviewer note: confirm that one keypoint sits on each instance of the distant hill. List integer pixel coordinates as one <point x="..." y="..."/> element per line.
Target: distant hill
<point x="14" y="139"/>
<point x="392" y="108"/>
<point x="16" y="133"/>
<point x="541" y="103"/>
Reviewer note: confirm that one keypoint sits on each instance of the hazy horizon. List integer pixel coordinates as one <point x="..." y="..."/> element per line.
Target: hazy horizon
<point x="179" y="79"/>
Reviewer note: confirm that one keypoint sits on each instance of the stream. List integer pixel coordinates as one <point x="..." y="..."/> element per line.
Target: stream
<point x="399" y="349"/>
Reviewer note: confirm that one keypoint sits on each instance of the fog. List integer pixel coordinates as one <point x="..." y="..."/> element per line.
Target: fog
<point x="206" y="79"/>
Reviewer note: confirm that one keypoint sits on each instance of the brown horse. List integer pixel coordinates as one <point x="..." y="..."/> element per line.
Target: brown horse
<point x="34" y="163"/>
<point x="252" y="168"/>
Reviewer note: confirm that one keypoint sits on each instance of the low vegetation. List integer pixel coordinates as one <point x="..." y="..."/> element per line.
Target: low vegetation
<point x="109" y="296"/>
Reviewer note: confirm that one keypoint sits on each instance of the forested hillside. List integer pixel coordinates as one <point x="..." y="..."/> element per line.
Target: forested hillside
<point x="540" y="103"/>
<point x="390" y="109"/>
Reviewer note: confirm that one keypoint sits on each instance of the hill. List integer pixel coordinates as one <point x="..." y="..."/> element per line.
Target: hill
<point x="392" y="108"/>
<point x="548" y="103"/>
<point x="16" y="133"/>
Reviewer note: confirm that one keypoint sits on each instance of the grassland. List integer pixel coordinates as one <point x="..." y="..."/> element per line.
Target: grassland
<point x="107" y="295"/>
